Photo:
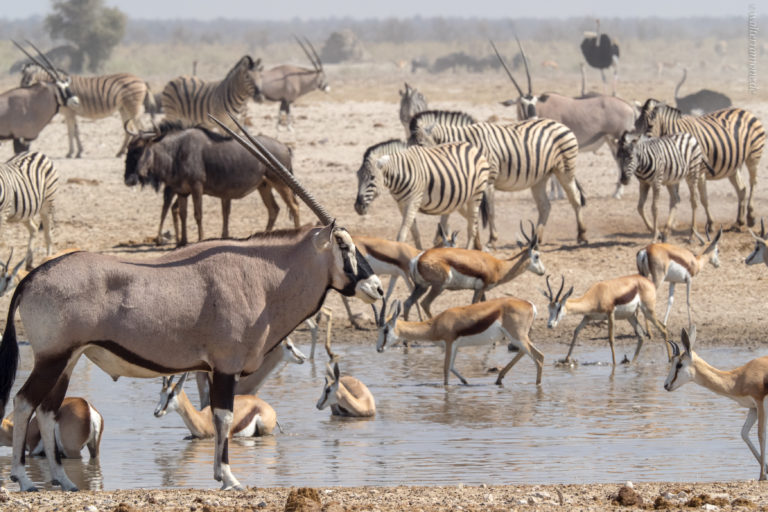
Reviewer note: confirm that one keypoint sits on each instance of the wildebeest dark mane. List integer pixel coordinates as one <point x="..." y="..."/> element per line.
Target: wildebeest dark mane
<point x="168" y="127"/>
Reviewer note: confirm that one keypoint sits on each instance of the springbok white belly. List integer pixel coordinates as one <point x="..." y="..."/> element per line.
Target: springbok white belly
<point x="255" y="426"/>
<point x="625" y="311"/>
<point x="458" y="281"/>
<point x="492" y="334"/>
<point x="676" y="273"/>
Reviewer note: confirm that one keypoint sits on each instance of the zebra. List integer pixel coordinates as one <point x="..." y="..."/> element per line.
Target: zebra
<point x="728" y="138"/>
<point x="28" y="184"/>
<point x="99" y="97"/>
<point x="522" y="155"/>
<point x="411" y="103"/>
<point x="666" y="160"/>
<point x="436" y="181"/>
<point x="190" y="99"/>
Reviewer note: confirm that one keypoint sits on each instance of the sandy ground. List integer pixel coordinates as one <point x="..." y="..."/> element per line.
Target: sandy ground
<point x="95" y="211"/>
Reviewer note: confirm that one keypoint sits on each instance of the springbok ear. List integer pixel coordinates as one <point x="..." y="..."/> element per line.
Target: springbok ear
<point x="688" y="339"/>
<point x="397" y="307"/>
<point x="567" y="294"/>
<point x="179" y="385"/>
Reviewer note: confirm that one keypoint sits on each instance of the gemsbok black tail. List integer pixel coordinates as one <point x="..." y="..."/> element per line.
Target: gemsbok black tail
<point x="9" y="354"/>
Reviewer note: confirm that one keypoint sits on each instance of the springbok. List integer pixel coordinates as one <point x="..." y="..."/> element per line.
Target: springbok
<point x="467" y="269"/>
<point x="745" y="385"/>
<point x="25" y="111"/>
<point x="674" y="264"/>
<point x="479" y="324"/>
<point x="594" y="119"/>
<point x="286" y="83"/>
<point x="613" y="299"/>
<point x="346" y="395"/>
<point x="285" y="352"/>
<point x="758" y="254"/>
<point x="252" y="416"/>
<point x="218" y="306"/>
<point x="77" y="424"/>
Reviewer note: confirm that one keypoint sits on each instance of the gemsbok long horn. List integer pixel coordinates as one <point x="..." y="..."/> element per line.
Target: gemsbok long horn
<point x="509" y="73"/>
<point x="258" y="150"/>
<point x="50" y="70"/>
<point x="317" y="57"/>
<point x="525" y="62"/>
<point x="45" y="58"/>
<point x="306" y="52"/>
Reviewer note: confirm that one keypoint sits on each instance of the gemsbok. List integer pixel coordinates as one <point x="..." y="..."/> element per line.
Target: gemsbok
<point x="346" y="395"/>
<point x="25" y="111"/>
<point x="285" y="352"/>
<point x="217" y="306"/>
<point x="479" y="324"/>
<point x="78" y="424"/>
<point x="745" y="384"/>
<point x="612" y="299"/>
<point x="674" y="264"/>
<point x="758" y="254"/>
<point x="252" y="416"/>
<point x="442" y="269"/>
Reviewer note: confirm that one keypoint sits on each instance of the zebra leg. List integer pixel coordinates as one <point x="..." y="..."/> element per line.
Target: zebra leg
<point x="643" y="196"/>
<point x="226" y="208"/>
<point x="741" y="193"/>
<point x="46" y="218"/>
<point x="613" y="145"/>
<point x="409" y="222"/>
<point x="493" y="237"/>
<point x="472" y="236"/>
<point x="752" y="167"/>
<point x="702" y="186"/>
<point x="539" y="191"/>
<point x="674" y="201"/>
<point x="694" y="193"/>
<point x="72" y="134"/>
<point x="568" y="181"/>
<point x="655" y="211"/>
<point x="32" y="228"/>
<point x="441" y="236"/>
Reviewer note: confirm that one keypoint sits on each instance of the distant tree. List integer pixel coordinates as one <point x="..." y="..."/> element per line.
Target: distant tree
<point x="93" y="27"/>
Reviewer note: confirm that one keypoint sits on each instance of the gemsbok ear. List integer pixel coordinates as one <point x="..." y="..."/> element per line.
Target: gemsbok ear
<point x="323" y="237"/>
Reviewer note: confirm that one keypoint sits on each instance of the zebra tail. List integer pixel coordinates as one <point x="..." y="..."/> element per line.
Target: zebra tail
<point x="9" y="353"/>
<point x="642" y="263"/>
<point x="485" y="209"/>
<point x="583" y="198"/>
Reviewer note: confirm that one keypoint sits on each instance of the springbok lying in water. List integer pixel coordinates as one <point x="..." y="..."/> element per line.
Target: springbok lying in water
<point x="217" y="306"/>
<point x="346" y="395"/>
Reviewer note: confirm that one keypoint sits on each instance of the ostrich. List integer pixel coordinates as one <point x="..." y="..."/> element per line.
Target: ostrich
<point x="601" y="53"/>
<point x="700" y="102"/>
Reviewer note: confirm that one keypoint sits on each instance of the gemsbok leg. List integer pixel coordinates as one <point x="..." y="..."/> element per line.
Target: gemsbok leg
<point x="222" y="405"/>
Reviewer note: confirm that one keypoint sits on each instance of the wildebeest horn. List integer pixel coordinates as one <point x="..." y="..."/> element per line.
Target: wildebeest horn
<point x="525" y="62"/>
<point x="52" y="71"/>
<point x="509" y="73"/>
<point x="259" y="151"/>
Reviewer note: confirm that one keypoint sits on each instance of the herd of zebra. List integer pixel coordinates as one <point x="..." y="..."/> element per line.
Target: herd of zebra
<point x="449" y="162"/>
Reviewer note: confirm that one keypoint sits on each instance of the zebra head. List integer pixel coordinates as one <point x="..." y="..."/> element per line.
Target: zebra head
<point x="370" y="174"/>
<point x="626" y="156"/>
<point x="648" y="120"/>
<point x="249" y="76"/>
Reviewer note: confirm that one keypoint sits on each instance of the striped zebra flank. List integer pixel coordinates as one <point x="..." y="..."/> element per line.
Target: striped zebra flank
<point x="522" y="156"/>
<point x="28" y="184"/>
<point x="729" y="138"/>
<point x="436" y="181"/>
<point x="189" y="99"/>
<point x="100" y="96"/>
<point x="665" y="161"/>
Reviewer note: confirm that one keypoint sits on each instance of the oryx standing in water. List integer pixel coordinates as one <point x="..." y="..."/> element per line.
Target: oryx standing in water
<point x="595" y="119"/>
<point x="286" y="83"/>
<point x="218" y="306"/>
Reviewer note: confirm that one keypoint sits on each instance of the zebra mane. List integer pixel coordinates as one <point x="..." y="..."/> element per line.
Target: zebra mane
<point x="446" y="117"/>
<point x="388" y="147"/>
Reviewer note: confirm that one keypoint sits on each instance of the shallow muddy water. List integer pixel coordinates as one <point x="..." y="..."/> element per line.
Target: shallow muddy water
<point x="581" y="425"/>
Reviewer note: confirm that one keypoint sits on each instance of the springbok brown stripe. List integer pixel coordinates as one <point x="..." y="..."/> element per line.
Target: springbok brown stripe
<point x="245" y="422"/>
<point x="680" y="261"/>
<point x="481" y="325"/>
<point x="626" y="298"/>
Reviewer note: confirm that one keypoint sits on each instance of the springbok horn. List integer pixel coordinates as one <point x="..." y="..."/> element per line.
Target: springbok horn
<point x="522" y="230"/>
<point x="762" y="228"/>
<point x="549" y="287"/>
<point x="36" y="61"/>
<point x="375" y="315"/>
<point x="509" y="73"/>
<point x="383" y="317"/>
<point x="675" y="348"/>
<point x="525" y="62"/>
<point x="45" y="58"/>
<point x="317" y="57"/>
<point x="534" y="234"/>
<point x="562" y="285"/>
<point x="306" y="52"/>
<point x="8" y="264"/>
<point x="259" y="151"/>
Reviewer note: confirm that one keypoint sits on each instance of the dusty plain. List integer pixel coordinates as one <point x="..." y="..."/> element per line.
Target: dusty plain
<point x="95" y="211"/>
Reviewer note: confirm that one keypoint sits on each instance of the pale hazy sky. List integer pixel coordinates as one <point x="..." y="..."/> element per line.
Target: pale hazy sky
<point x="309" y="9"/>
